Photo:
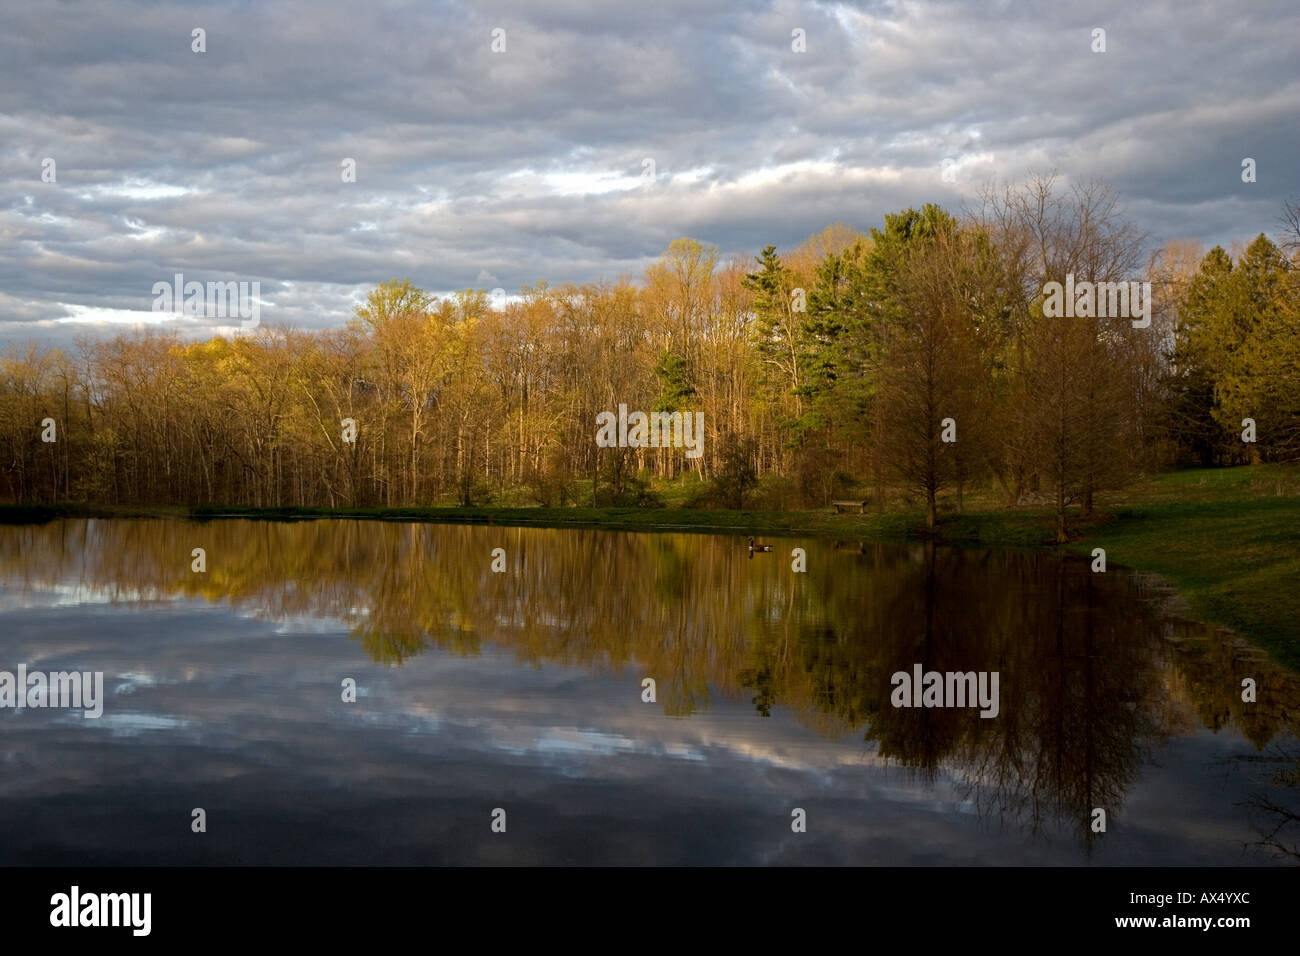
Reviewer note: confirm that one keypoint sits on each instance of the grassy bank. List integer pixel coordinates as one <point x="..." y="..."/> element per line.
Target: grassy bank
<point x="1228" y="539"/>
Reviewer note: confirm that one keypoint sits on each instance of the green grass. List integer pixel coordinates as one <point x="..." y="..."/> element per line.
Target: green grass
<point x="1228" y="539"/>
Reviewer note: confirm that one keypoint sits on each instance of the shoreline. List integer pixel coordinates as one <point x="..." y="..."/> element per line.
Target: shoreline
<point x="1233" y="563"/>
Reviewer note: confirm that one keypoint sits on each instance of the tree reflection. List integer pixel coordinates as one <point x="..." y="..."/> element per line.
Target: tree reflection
<point x="1091" y="676"/>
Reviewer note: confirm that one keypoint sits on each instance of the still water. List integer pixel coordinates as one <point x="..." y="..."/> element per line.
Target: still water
<point x="522" y="691"/>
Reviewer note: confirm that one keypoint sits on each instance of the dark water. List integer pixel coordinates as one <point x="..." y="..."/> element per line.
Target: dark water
<point x="522" y="691"/>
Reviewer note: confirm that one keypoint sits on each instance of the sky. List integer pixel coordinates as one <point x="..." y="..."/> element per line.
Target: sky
<point x="591" y="137"/>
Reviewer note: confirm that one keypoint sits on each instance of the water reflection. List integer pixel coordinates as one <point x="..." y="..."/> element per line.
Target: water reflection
<point x="1094" y="680"/>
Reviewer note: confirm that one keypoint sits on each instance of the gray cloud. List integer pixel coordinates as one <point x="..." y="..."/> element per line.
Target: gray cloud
<point x="526" y="165"/>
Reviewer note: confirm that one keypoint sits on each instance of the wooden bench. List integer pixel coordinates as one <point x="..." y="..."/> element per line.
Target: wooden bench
<point x="842" y="506"/>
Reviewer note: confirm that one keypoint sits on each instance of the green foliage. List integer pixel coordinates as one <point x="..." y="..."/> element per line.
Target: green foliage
<point x="674" y="374"/>
<point x="394" y="299"/>
<point x="1236" y="356"/>
<point x="626" y="491"/>
<point x="736" y="475"/>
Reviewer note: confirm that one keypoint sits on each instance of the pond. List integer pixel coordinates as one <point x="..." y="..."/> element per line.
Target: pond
<point x="610" y="697"/>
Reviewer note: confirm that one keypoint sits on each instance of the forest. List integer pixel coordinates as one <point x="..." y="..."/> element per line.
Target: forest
<point x="914" y="358"/>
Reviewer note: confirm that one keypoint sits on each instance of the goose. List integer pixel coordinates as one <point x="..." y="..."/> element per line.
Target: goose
<point x="758" y="547"/>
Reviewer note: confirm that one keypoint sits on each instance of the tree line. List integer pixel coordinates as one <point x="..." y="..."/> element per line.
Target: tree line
<point x="917" y="356"/>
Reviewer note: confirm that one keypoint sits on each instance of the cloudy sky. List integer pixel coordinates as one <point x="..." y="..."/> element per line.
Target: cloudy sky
<point x="495" y="169"/>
